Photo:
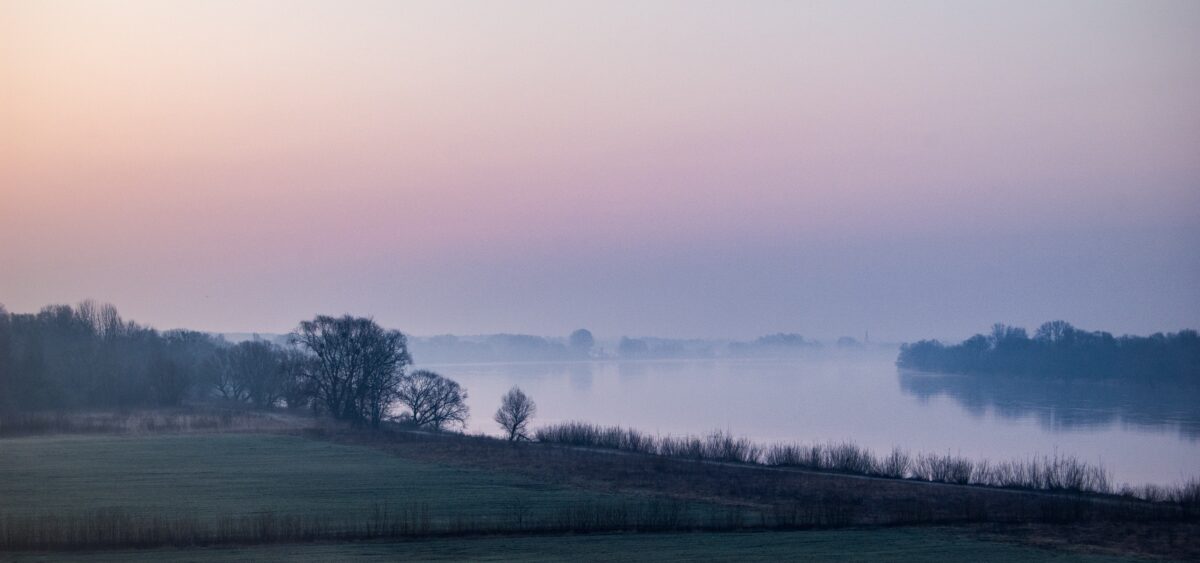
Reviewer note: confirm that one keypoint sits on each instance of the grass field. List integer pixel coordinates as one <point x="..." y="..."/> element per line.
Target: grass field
<point x="209" y="475"/>
<point x="911" y="545"/>
<point x="87" y="492"/>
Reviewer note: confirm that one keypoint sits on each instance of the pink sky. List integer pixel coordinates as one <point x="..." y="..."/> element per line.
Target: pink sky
<point x="679" y="168"/>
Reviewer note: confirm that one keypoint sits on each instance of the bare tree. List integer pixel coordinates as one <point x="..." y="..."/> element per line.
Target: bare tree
<point x="1054" y="331"/>
<point x="516" y="408"/>
<point x="433" y="401"/>
<point x="258" y="368"/>
<point x="224" y="378"/>
<point x="297" y="389"/>
<point x="104" y="319"/>
<point x="356" y="366"/>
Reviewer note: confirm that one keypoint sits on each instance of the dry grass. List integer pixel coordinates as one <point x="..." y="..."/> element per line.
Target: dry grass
<point x="184" y="419"/>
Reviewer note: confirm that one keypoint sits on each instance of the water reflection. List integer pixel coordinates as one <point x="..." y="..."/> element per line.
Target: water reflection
<point x="1068" y="405"/>
<point x="580" y="375"/>
<point x="1144" y="434"/>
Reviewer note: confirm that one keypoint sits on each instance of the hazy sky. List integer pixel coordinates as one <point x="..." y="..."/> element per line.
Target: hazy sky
<point x="670" y="168"/>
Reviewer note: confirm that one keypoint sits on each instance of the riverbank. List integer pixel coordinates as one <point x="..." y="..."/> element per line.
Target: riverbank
<point x="278" y="478"/>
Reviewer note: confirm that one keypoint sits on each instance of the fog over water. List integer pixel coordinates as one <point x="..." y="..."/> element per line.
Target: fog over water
<point x="1141" y="435"/>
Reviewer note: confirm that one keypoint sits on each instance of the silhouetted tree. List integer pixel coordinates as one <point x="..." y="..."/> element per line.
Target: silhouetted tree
<point x="297" y="391"/>
<point x="433" y="401"/>
<point x="356" y="366"/>
<point x="168" y="380"/>
<point x="582" y="341"/>
<point x="516" y="409"/>
<point x="1054" y="331"/>
<point x="774" y="345"/>
<point x="103" y="318"/>
<point x="181" y="356"/>
<point x="633" y="348"/>
<point x="258" y="372"/>
<point x="224" y="377"/>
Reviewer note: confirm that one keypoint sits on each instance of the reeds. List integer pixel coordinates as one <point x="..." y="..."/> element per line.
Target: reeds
<point x="716" y="446"/>
<point x="1187" y="495"/>
<point x="843" y="457"/>
<point x="1047" y="473"/>
<point x="1054" y="473"/>
<point x="944" y="469"/>
<point x="583" y="434"/>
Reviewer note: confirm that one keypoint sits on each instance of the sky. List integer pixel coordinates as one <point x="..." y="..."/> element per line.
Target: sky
<point x="688" y="169"/>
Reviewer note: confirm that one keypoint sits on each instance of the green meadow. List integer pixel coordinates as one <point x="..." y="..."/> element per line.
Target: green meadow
<point x="198" y="479"/>
<point x="221" y="475"/>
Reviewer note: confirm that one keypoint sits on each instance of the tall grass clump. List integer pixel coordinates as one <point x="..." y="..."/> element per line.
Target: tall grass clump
<point x="1188" y="498"/>
<point x="583" y="434"/>
<point x="1186" y="495"/>
<point x="842" y="457"/>
<point x="943" y="469"/>
<point x="1047" y="473"/>
<point x="717" y="446"/>
<point x="896" y="465"/>
<point x="795" y="455"/>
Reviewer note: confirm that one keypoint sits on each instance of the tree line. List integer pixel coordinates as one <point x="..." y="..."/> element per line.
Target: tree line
<point x="350" y="368"/>
<point x="504" y="348"/>
<point x="1059" y="349"/>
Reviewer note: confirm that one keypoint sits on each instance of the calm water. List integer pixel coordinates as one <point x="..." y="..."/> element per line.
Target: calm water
<point x="1143" y="435"/>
